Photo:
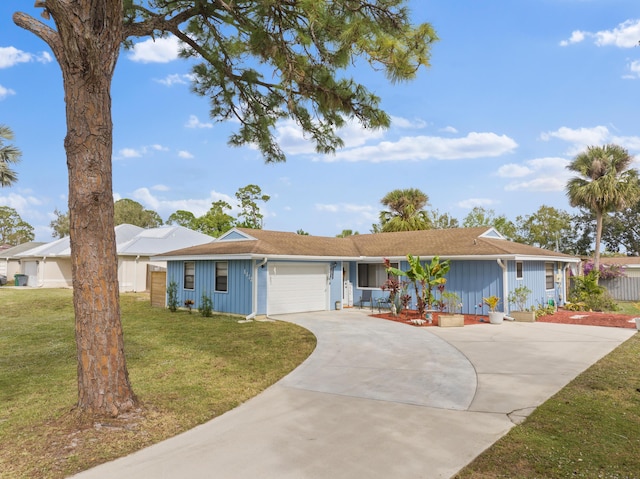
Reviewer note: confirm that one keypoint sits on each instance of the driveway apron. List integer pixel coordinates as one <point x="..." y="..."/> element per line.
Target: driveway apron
<point x="380" y="399"/>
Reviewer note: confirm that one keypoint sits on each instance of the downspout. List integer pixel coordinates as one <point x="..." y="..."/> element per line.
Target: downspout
<point x="565" y="285"/>
<point x="254" y="294"/>
<point x="505" y="286"/>
<point x="135" y="274"/>
<point x="44" y="262"/>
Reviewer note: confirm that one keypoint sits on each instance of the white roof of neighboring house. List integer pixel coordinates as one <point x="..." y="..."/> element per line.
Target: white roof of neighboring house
<point x="10" y="253"/>
<point x="160" y="240"/>
<point x="130" y="241"/>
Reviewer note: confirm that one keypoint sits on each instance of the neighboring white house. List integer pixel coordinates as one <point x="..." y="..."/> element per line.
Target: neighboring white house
<point x="10" y="262"/>
<point x="49" y="265"/>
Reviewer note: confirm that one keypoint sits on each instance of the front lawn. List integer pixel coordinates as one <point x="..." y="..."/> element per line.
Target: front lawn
<point x="185" y="370"/>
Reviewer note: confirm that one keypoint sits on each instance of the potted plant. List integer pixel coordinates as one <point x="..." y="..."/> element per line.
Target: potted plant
<point x="451" y="302"/>
<point x="495" y="317"/>
<point x="519" y="297"/>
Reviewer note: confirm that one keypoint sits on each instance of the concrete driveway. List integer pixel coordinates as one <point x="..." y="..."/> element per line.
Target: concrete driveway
<point x="379" y="399"/>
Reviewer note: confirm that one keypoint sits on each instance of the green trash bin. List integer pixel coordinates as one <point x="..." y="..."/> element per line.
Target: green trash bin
<point x="20" y="279"/>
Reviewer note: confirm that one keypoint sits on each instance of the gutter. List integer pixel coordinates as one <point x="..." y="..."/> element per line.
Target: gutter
<point x="254" y="294"/>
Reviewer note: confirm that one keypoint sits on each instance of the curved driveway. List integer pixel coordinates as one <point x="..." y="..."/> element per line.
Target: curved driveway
<point x="379" y="399"/>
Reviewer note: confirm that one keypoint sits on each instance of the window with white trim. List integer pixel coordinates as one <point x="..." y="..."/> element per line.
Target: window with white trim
<point x="373" y="275"/>
<point x="519" y="270"/>
<point x="222" y="276"/>
<point x="548" y="276"/>
<point x="189" y="274"/>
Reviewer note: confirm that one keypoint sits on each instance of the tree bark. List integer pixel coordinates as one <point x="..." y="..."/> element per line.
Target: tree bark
<point x="596" y="253"/>
<point x="86" y="44"/>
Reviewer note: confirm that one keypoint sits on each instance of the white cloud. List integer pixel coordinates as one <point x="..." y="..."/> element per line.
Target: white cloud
<point x="539" y="184"/>
<point x="194" y="122"/>
<point x="581" y="138"/>
<point x="364" y="212"/>
<point x="634" y="70"/>
<point x="139" y="152"/>
<point x="5" y="92"/>
<point x="542" y="174"/>
<point x="175" y="79"/>
<point x="10" y="56"/>
<point x="513" y="170"/>
<point x="164" y="207"/>
<point x="449" y="129"/>
<point x="184" y="154"/>
<point x="576" y="37"/>
<point x="416" y="148"/>
<point x="473" y="202"/>
<point x="44" y="57"/>
<point x="160" y="188"/>
<point x="160" y="50"/>
<point x="129" y="153"/>
<point x="625" y="35"/>
<point x="400" y="122"/>
<point x="24" y="203"/>
<point x="292" y="140"/>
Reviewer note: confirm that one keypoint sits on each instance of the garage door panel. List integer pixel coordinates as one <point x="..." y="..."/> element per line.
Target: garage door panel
<point x="297" y="287"/>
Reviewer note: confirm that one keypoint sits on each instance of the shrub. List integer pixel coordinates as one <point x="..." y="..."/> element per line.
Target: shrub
<point x="206" y="306"/>
<point x="588" y="293"/>
<point x="172" y="296"/>
<point x="519" y="297"/>
<point x="451" y="301"/>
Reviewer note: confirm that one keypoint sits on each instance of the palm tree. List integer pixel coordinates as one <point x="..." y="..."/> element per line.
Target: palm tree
<point x="605" y="183"/>
<point x="406" y="211"/>
<point x="8" y="154"/>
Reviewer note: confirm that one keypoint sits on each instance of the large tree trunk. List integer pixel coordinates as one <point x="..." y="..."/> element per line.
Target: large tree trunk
<point x="86" y="44"/>
<point x="103" y="383"/>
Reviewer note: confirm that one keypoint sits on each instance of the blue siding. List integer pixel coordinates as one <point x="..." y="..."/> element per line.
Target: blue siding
<point x="474" y="280"/>
<point x="236" y="300"/>
<point x="471" y="280"/>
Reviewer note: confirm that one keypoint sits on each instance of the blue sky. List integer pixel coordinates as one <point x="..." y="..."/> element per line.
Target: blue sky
<point x="516" y="89"/>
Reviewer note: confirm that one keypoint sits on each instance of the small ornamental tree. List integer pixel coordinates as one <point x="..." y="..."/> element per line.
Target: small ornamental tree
<point x="424" y="278"/>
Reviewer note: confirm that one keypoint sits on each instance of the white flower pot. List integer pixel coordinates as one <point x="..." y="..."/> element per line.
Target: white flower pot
<point x="496" y="317"/>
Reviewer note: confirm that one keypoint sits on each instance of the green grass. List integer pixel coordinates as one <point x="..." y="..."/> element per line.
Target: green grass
<point x="628" y="307"/>
<point x="185" y="370"/>
<point x="590" y="429"/>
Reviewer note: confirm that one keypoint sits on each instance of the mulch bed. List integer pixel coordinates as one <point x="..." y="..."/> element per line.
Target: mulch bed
<point x="611" y="320"/>
<point x="566" y="317"/>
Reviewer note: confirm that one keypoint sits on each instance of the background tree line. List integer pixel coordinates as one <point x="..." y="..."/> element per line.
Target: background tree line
<point x="548" y="227"/>
<point x="214" y="222"/>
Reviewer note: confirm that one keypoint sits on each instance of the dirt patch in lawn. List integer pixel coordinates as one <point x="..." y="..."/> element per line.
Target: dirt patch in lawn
<point x="589" y="318"/>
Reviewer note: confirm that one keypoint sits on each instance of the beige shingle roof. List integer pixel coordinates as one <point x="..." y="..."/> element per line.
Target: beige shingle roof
<point x="445" y="243"/>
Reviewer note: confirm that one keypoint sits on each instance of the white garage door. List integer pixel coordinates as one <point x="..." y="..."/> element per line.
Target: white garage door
<point x="297" y="287"/>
